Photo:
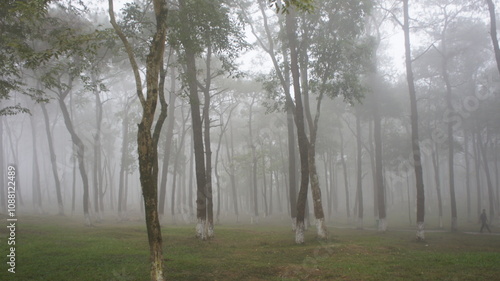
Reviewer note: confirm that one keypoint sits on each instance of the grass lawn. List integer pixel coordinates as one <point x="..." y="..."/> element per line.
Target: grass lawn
<point x="61" y="248"/>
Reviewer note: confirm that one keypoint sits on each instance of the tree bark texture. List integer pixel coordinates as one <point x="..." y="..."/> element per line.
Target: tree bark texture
<point x="414" y="127"/>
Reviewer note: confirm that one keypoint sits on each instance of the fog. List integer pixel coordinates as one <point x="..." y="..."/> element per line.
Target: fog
<point x="355" y="99"/>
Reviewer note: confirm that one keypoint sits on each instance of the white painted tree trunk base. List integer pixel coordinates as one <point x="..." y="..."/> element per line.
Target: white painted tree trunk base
<point x="321" y="228"/>
<point x="294" y="224"/>
<point x="159" y="273"/>
<point x="420" y="231"/>
<point x="201" y="230"/>
<point x="210" y="230"/>
<point x="299" y="233"/>
<point x="382" y="225"/>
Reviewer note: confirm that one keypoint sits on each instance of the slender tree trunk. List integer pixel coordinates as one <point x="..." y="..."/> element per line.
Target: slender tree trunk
<point x="489" y="184"/>
<point x="414" y="128"/>
<point x="332" y="198"/>
<point x="174" y="184"/>
<point x="467" y="174"/>
<point x="477" y="165"/>
<point x="292" y="181"/>
<point x="37" y="194"/>
<point x="208" y="149"/>
<point x="449" y="107"/>
<point x="271" y="189"/>
<point x="73" y="181"/>
<point x="344" y="167"/>
<point x="278" y="193"/>
<point x="216" y="166"/>
<point x="53" y="160"/>
<point x="231" y="171"/>
<point x="381" y="200"/>
<point x="199" y="154"/>
<point x="178" y="153"/>
<point x="408" y="195"/>
<point x="190" y="184"/>
<point x="168" y="142"/>
<point x="264" y="188"/>
<point x="147" y="136"/>
<point x="97" y="169"/>
<point x="290" y="108"/>
<point x="80" y="153"/>
<point x="359" y="172"/>
<point x="253" y="178"/>
<point x="327" y="172"/>
<point x="15" y="156"/>
<point x="437" y="182"/>
<point x="313" y="130"/>
<point x="299" y="122"/>
<point x="123" y="160"/>
<point x="374" y="169"/>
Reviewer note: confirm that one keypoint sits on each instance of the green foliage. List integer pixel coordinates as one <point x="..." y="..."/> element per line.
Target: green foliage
<point x="337" y="51"/>
<point x="17" y="20"/>
<point x="301" y="5"/>
<point x="138" y="24"/>
<point x="210" y="24"/>
<point x="35" y="36"/>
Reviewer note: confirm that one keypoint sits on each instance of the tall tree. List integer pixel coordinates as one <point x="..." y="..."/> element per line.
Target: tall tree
<point x="283" y="75"/>
<point x="300" y="124"/>
<point x="414" y="125"/>
<point x="204" y="27"/>
<point x="147" y="139"/>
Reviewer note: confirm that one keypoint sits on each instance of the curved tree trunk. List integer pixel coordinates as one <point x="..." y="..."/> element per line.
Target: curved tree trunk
<point x="313" y="131"/>
<point x="299" y="122"/>
<point x="53" y="160"/>
<point x="147" y="135"/>
<point x="80" y="151"/>
<point x="290" y="108"/>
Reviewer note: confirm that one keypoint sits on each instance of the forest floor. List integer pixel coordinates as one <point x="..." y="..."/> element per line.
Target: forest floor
<point x="61" y="248"/>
